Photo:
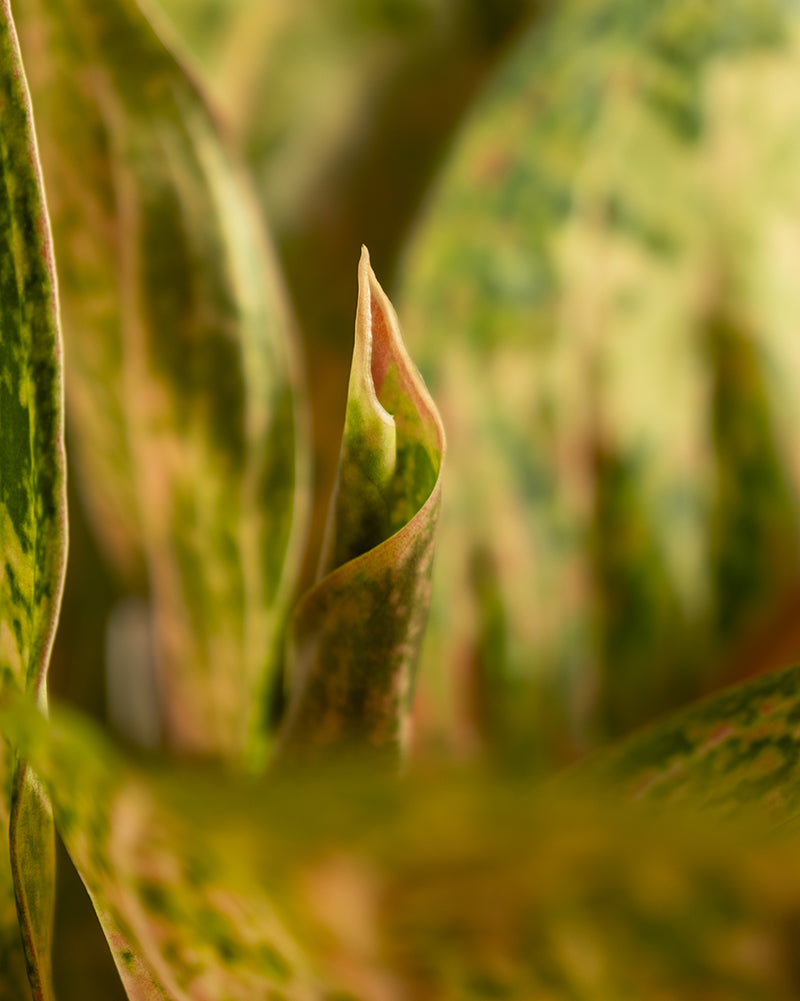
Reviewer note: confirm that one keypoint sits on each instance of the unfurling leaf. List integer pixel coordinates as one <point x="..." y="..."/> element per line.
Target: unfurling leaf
<point x="182" y="385"/>
<point x="356" y="634"/>
<point x="33" y="533"/>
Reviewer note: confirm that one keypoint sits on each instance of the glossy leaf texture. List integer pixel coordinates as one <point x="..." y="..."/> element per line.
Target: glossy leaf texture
<point x="182" y="385"/>
<point x="33" y="530"/>
<point x="463" y="884"/>
<point x="600" y="297"/>
<point x="355" y="636"/>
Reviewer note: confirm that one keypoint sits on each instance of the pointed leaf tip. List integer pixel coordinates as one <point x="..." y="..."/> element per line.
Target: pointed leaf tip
<point x="356" y="635"/>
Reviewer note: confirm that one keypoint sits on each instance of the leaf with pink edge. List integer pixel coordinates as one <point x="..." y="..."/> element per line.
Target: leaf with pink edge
<point x="355" y="635"/>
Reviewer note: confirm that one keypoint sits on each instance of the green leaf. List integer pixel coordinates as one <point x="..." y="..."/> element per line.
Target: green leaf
<point x="355" y="635"/>
<point x="182" y="383"/>
<point x="462" y="885"/>
<point x="33" y="531"/>
<point x="601" y="311"/>
<point x="736" y="751"/>
<point x="182" y="920"/>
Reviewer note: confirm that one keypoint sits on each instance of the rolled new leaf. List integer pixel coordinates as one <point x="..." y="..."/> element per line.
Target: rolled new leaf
<point x="182" y="383"/>
<point x="355" y="635"/>
<point x="33" y="533"/>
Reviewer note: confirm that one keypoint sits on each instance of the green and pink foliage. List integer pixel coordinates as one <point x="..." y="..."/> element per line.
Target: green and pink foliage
<point x="356" y="634"/>
<point x="602" y="292"/>
<point x="183" y="388"/>
<point x="601" y="296"/>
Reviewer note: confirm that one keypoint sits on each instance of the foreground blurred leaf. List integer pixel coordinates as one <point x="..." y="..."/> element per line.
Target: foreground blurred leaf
<point x="182" y="387"/>
<point x="33" y="533"/>
<point x="178" y="928"/>
<point x="604" y="296"/>
<point x="355" y="636"/>
<point x="462" y="885"/>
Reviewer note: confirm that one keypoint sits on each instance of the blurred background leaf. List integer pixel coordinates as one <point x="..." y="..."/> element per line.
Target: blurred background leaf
<point x="601" y="297"/>
<point x="186" y="383"/>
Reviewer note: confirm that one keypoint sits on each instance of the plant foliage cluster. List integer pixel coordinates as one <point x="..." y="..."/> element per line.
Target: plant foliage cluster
<point x="272" y="782"/>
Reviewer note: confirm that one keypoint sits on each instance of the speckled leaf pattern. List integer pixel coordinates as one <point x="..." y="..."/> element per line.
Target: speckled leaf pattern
<point x="601" y="298"/>
<point x="355" y="636"/>
<point x="182" y="384"/>
<point x="440" y="886"/>
<point x="739" y="748"/>
<point x="183" y="921"/>
<point x="33" y="532"/>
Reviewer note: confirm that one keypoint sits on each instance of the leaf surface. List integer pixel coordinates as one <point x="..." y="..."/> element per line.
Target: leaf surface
<point x="355" y="635"/>
<point x="183" y="386"/>
<point x="33" y="532"/>
<point x="738" y="749"/>
<point x="183" y="922"/>
<point x="604" y="318"/>
<point x="456" y="885"/>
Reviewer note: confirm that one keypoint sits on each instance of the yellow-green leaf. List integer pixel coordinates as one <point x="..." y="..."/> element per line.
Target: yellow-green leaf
<point x="605" y="316"/>
<point x="183" y="920"/>
<point x="463" y="885"/>
<point x="33" y="530"/>
<point x="356" y="634"/>
<point x="735" y="751"/>
<point x="182" y="382"/>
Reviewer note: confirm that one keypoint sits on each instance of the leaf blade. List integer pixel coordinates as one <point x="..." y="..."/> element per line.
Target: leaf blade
<point x="355" y="636"/>
<point x="735" y="751"/>
<point x="205" y="456"/>
<point x="464" y="889"/>
<point x="33" y="532"/>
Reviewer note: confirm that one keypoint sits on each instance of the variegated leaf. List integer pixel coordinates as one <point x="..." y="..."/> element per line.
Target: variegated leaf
<point x="33" y="531"/>
<point x="183" y="922"/>
<point x="355" y="636"/>
<point x="182" y="384"/>
<point x="737" y="750"/>
<point x="606" y="315"/>
<point x="464" y="885"/>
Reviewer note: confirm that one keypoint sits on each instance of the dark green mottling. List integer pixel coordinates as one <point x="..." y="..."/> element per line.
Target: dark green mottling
<point x="756" y="527"/>
<point x="183" y="388"/>
<point x="734" y="752"/>
<point x="355" y="636"/>
<point x="191" y="346"/>
<point x="580" y="203"/>
<point x="32" y="515"/>
<point x="639" y="621"/>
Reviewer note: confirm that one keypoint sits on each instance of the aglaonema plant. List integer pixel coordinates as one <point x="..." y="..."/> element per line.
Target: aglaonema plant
<point x="289" y="860"/>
